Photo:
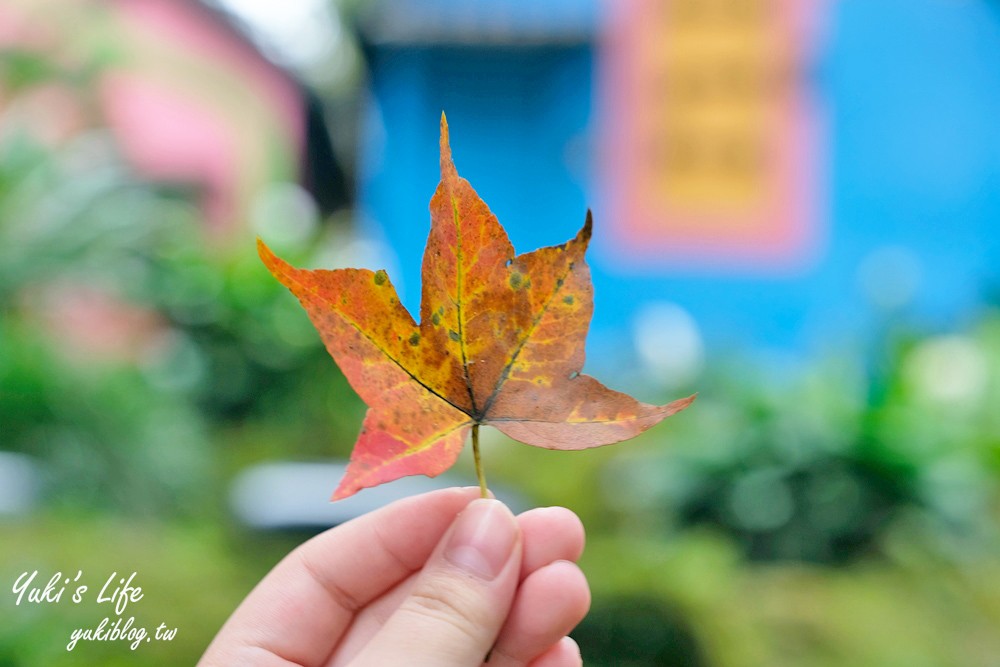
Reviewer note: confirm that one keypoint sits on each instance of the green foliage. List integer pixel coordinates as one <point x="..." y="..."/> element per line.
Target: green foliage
<point x="216" y="345"/>
<point x="189" y="364"/>
<point x="908" y="607"/>
<point x="187" y="576"/>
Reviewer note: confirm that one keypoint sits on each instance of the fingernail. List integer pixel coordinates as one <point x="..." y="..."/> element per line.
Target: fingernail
<point x="482" y="539"/>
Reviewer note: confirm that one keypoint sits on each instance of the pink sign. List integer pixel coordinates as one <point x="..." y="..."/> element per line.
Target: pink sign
<point x="710" y="134"/>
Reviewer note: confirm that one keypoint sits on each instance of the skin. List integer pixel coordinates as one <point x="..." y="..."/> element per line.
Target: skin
<point x="438" y="579"/>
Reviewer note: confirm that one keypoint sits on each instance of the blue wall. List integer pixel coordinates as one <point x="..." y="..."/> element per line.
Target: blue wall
<point x="911" y="174"/>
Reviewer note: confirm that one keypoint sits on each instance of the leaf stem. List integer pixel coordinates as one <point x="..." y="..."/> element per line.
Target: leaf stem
<point x="483" y="491"/>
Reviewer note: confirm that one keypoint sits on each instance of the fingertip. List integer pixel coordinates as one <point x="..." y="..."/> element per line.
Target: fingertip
<point x="573" y="524"/>
<point x="550" y="534"/>
<point x="563" y="518"/>
<point x="568" y="646"/>
<point x="565" y="653"/>
<point x="550" y="603"/>
<point x="571" y="583"/>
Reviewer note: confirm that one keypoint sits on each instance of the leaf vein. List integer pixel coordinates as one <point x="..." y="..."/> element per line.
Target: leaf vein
<point x="570" y="421"/>
<point x="428" y="442"/>
<point x="359" y="329"/>
<point x="459" y="304"/>
<point x="524" y="341"/>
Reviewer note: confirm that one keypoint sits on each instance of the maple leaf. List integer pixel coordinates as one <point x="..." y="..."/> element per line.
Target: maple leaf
<point x="500" y="342"/>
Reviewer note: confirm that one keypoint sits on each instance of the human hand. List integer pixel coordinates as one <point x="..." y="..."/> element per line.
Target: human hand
<point x="436" y="579"/>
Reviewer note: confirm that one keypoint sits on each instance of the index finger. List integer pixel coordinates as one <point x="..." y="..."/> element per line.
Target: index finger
<point x="300" y="610"/>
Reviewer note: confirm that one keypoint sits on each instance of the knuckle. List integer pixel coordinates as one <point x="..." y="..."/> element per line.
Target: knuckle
<point x="447" y="602"/>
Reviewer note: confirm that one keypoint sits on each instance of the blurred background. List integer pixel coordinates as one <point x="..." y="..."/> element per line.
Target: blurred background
<point x="795" y="208"/>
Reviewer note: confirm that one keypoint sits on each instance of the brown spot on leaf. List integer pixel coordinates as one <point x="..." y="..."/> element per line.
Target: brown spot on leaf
<point x="381" y="277"/>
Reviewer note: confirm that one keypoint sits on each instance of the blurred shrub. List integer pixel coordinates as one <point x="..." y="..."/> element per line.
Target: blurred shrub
<point x="127" y="345"/>
<point x="908" y="607"/>
<point x="137" y="360"/>
<point x="636" y="632"/>
<point x="817" y="464"/>
<point x="73" y="224"/>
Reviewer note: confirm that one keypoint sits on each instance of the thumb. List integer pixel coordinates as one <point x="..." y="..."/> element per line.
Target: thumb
<point x="459" y="602"/>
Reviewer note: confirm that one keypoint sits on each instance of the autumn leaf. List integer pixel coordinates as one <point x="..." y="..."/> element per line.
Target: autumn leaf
<point x="500" y="342"/>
